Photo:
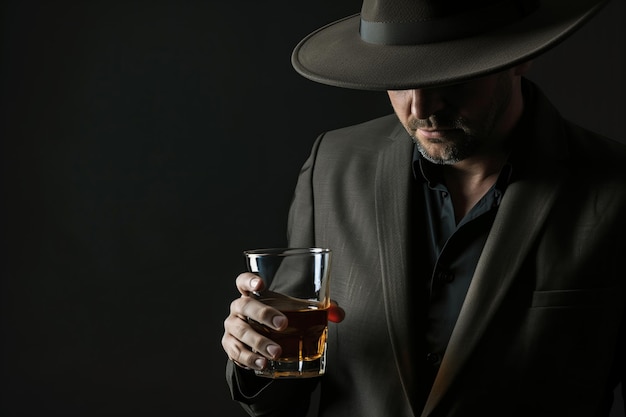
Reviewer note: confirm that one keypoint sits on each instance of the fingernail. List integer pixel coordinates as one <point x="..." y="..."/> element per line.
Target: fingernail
<point x="255" y="282"/>
<point x="278" y="321"/>
<point x="273" y="350"/>
<point x="260" y="363"/>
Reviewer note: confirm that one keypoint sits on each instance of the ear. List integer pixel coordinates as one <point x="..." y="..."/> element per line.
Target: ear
<point x="523" y="68"/>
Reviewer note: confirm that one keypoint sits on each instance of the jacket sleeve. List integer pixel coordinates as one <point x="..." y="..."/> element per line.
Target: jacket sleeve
<point x="262" y="397"/>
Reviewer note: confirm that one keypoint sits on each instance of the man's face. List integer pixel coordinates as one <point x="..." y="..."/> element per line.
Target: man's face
<point x="452" y="123"/>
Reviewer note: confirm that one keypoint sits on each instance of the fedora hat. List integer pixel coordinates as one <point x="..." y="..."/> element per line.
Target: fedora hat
<point x="404" y="44"/>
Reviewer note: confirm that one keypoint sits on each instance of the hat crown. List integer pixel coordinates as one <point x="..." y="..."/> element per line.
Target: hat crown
<point x="417" y="10"/>
<point x="402" y="22"/>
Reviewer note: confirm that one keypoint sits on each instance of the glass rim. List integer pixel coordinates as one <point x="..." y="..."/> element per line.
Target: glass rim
<point x="285" y="251"/>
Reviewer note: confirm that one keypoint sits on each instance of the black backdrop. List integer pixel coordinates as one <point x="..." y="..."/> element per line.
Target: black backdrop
<point x="140" y="155"/>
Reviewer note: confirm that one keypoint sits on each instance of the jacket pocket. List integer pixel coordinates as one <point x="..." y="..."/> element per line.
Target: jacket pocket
<point x="575" y="297"/>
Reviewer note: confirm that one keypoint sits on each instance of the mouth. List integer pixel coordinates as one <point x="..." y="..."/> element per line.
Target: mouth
<point x="439" y="133"/>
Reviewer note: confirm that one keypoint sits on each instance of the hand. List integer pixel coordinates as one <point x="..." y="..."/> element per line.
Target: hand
<point x="243" y="345"/>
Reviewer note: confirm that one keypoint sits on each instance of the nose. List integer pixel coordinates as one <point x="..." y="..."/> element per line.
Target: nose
<point x="425" y="102"/>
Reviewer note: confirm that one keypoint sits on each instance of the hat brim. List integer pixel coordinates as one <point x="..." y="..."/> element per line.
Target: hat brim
<point x="336" y="55"/>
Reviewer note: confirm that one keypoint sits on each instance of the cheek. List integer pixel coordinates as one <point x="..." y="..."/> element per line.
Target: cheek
<point x="400" y="104"/>
<point x="477" y="111"/>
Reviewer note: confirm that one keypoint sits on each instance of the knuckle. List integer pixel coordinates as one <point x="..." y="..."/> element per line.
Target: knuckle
<point x="239" y="328"/>
<point x="242" y="355"/>
<point x="235" y="305"/>
<point x="251" y="338"/>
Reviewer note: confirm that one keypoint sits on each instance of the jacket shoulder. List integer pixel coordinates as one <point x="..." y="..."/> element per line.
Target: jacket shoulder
<point x="593" y="145"/>
<point x="366" y="135"/>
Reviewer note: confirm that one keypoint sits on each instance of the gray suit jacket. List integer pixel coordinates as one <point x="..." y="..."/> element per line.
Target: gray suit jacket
<point x="541" y="332"/>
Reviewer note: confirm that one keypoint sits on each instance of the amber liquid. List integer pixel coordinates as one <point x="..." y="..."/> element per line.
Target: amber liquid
<point x="305" y="337"/>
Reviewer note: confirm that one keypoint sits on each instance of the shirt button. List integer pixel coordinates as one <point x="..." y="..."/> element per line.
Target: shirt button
<point x="445" y="276"/>
<point x="432" y="358"/>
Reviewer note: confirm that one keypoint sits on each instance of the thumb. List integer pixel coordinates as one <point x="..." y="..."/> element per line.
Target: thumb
<point x="336" y="314"/>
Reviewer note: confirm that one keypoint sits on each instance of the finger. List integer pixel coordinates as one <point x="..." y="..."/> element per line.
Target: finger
<point x="241" y="354"/>
<point x="336" y="314"/>
<point x="245" y="345"/>
<point x="248" y="282"/>
<point x="246" y="307"/>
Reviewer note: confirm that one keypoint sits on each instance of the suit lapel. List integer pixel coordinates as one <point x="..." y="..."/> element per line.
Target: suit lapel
<point x="522" y="212"/>
<point x="392" y="188"/>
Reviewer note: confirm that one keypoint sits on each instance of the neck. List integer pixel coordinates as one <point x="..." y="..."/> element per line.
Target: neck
<point x="468" y="180"/>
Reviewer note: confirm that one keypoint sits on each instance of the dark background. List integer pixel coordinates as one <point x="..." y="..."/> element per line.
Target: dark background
<point x="144" y="145"/>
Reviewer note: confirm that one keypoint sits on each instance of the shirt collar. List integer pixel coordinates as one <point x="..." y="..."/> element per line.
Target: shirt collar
<point x="425" y="171"/>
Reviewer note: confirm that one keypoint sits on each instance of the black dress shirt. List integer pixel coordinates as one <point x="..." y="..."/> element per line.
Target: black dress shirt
<point x="453" y="250"/>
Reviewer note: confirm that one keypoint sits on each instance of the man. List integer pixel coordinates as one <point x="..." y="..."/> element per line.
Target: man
<point x="477" y="236"/>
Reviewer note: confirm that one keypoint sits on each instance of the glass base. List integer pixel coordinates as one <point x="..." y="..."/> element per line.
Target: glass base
<point x="295" y="369"/>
